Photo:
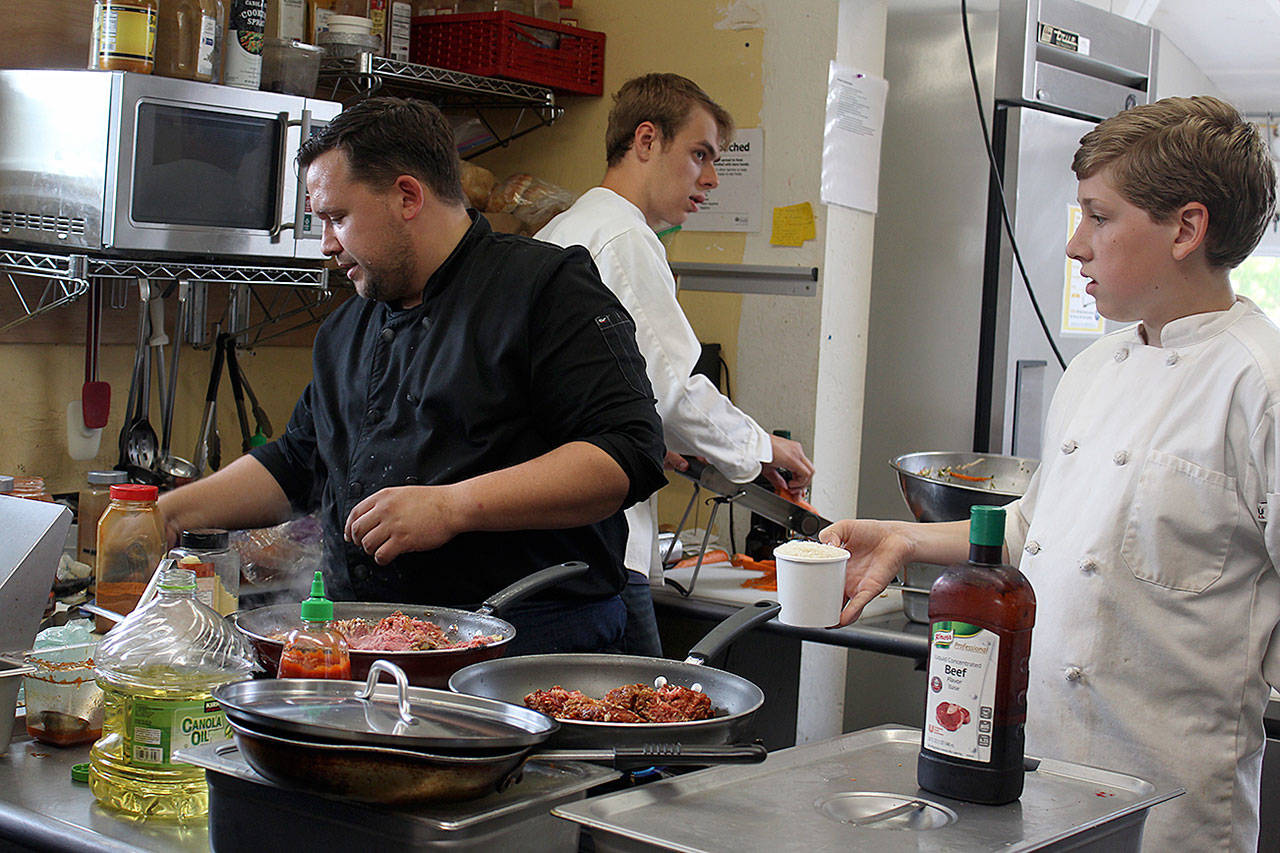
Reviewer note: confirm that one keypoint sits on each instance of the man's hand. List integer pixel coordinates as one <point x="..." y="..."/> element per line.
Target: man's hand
<point x="675" y="462"/>
<point x="789" y="455"/>
<point x="877" y="552"/>
<point x="399" y="519"/>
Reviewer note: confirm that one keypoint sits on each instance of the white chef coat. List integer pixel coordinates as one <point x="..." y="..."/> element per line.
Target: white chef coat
<point x="1154" y="572"/>
<point x="696" y="418"/>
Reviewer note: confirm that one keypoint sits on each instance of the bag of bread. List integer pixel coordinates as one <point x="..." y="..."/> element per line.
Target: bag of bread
<point x="477" y="184"/>
<point x="531" y="200"/>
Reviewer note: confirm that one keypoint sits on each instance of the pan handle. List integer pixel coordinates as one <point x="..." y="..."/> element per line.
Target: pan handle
<point x="528" y="585"/>
<point x="730" y="629"/>
<point x="665" y="754"/>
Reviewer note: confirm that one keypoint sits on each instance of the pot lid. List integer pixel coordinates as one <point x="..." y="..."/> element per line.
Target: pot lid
<point x="401" y="717"/>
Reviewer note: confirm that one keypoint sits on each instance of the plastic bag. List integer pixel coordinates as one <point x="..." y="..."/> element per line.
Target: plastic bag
<point x="292" y="549"/>
<point x="531" y="200"/>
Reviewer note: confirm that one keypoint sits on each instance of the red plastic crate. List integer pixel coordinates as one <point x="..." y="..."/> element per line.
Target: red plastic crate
<point x="515" y="47"/>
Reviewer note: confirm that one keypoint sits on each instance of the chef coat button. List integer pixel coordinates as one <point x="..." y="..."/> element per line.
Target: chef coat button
<point x="1121" y="354"/>
<point x="359" y="572"/>
<point x="375" y="415"/>
<point x="1073" y="673"/>
<point x="426" y="322"/>
<point x="1088" y="566"/>
<point x="1069" y="446"/>
<point x="356" y="486"/>
<point x="411" y="480"/>
<point x="1171" y="359"/>
<point x="1032" y="547"/>
<point x="410" y="399"/>
<point x="388" y="334"/>
<point x="1121" y="457"/>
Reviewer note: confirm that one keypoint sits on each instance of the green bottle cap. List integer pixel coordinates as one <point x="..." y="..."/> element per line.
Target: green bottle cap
<point x="986" y="525"/>
<point x="80" y="772"/>
<point x="317" y="608"/>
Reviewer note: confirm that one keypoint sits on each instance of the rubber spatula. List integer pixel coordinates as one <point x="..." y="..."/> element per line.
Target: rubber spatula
<point x="95" y="396"/>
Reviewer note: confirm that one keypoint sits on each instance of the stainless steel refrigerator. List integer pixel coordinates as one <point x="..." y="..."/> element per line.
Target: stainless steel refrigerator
<point x="957" y="359"/>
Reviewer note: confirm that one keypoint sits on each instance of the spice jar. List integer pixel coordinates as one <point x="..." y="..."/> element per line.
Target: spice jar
<point x="207" y="552"/>
<point x="92" y="503"/>
<point x="124" y="35"/>
<point x="31" y="488"/>
<point x="131" y="542"/>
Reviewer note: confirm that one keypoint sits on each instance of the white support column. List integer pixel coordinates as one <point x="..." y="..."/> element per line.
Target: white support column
<point x="842" y="353"/>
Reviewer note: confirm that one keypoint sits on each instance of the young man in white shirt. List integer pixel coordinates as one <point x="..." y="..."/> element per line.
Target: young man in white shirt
<point x="1149" y="530"/>
<point x="663" y="139"/>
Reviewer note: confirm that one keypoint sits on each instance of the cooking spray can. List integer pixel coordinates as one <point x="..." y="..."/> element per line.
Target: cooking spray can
<point x="242" y="54"/>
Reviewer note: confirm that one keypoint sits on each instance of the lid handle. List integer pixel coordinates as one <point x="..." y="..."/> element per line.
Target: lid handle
<point x="402" y="687"/>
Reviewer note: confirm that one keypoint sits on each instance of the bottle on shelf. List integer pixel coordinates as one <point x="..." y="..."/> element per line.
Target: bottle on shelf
<point x="186" y="34"/>
<point x="124" y="35"/>
<point x="315" y="649"/>
<point x="242" y="51"/>
<point x="207" y="552"/>
<point x="980" y="618"/>
<point x="131" y="541"/>
<point x="95" y="495"/>
<point x="157" y="669"/>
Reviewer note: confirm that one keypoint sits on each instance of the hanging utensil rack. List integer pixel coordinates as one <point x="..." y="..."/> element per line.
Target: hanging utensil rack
<point x="56" y="280"/>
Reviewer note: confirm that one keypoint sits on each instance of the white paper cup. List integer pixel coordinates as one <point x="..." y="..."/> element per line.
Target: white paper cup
<point x="810" y="585"/>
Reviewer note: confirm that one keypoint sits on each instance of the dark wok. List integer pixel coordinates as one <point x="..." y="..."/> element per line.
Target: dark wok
<point x="735" y="699"/>
<point x="426" y="668"/>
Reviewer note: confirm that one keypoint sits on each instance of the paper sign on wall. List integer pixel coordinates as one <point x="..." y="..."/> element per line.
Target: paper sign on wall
<point x="851" y="138"/>
<point x="1079" y="310"/>
<point x="735" y="204"/>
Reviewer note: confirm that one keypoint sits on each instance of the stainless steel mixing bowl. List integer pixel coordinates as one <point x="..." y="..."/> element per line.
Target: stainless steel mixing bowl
<point x="932" y="494"/>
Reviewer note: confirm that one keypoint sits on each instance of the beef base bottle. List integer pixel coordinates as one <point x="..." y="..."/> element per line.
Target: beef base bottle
<point x="980" y="619"/>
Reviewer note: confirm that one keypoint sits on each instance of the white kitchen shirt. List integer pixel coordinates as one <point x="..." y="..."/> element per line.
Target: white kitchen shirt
<point x="1157" y="594"/>
<point x="696" y="418"/>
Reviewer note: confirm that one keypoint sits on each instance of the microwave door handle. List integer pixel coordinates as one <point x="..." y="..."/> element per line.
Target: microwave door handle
<point x="282" y="174"/>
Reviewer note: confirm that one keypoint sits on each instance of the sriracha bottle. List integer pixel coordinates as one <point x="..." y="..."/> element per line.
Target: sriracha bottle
<point x="316" y="650"/>
<point x="980" y="618"/>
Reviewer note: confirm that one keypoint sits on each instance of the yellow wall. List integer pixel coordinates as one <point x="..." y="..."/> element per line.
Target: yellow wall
<point x="689" y="38"/>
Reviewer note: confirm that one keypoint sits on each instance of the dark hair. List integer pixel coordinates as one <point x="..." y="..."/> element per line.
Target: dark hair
<point x="1180" y="150"/>
<point x="384" y="138"/>
<point x="664" y="99"/>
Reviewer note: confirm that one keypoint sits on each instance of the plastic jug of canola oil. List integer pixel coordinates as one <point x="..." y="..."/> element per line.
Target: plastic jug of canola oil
<point x="156" y="670"/>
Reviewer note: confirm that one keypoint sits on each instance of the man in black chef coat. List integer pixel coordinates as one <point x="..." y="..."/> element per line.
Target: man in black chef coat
<point x="480" y="412"/>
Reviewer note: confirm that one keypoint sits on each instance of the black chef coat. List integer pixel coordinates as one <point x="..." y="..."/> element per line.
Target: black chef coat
<point x="516" y="349"/>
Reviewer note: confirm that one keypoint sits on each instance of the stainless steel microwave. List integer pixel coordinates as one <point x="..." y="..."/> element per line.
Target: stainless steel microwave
<point x="132" y="164"/>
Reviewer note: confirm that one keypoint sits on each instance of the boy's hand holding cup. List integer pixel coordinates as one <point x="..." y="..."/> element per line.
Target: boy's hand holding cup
<point x="810" y="583"/>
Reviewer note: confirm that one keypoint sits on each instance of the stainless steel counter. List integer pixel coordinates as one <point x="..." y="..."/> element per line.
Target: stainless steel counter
<point x="42" y="809"/>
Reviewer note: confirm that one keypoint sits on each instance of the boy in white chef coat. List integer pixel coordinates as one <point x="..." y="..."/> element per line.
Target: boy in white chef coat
<point x="1146" y="530"/>
<point x="662" y="141"/>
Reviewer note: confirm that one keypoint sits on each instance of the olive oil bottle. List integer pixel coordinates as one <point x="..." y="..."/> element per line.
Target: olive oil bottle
<point x="980" y="617"/>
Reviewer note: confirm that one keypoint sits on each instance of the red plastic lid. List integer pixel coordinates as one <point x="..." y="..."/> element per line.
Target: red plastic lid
<point x="134" y="492"/>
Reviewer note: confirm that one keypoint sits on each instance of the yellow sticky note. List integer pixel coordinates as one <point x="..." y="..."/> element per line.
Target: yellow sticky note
<point x="792" y="225"/>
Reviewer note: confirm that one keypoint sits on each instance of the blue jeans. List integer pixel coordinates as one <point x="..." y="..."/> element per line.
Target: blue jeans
<point x="546" y="627"/>
<point x="641" y="636"/>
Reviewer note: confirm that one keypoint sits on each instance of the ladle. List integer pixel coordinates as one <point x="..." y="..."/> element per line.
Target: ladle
<point x="174" y="468"/>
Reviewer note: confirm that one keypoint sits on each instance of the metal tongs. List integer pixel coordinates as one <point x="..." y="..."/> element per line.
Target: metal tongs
<point x="759" y="500"/>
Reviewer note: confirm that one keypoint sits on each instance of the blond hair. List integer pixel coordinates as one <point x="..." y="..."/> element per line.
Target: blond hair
<point x="1182" y="150"/>
<point x="664" y="99"/>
